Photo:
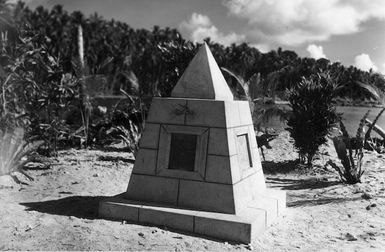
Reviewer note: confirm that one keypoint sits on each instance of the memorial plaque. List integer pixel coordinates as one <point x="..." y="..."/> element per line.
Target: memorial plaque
<point x="182" y="151"/>
<point x="244" y="155"/>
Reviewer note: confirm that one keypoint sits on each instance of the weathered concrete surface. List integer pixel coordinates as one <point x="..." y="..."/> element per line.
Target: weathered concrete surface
<point x="153" y="189"/>
<point x="217" y="175"/>
<point x="241" y="227"/>
<point x="203" y="79"/>
<point x="150" y="136"/>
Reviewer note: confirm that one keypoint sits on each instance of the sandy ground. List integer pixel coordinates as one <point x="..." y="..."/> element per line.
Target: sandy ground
<point x="58" y="210"/>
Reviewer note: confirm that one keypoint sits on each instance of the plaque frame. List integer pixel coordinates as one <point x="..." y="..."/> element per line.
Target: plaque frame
<point x="202" y="134"/>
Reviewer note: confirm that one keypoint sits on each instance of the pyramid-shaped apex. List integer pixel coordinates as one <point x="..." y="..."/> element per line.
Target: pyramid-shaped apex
<point x="203" y="79"/>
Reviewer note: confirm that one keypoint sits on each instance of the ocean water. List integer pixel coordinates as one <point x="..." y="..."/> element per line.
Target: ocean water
<point x="351" y="117"/>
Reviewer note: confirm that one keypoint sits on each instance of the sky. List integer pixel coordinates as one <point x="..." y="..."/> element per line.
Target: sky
<point x="349" y="31"/>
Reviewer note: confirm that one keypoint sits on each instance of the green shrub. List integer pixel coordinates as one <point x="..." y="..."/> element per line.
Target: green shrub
<point x="313" y="114"/>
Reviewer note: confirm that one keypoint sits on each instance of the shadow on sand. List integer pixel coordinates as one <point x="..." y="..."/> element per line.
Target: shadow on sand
<point x="271" y="167"/>
<point x="293" y="185"/>
<point x="321" y="201"/>
<point x="299" y="184"/>
<point x="85" y="207"/>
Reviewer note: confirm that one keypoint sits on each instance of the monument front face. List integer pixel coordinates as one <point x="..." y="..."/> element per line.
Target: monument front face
<point x="206" y="152"/>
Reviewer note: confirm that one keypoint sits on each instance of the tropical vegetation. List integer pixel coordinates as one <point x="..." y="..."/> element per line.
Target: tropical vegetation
<point x="313" y="114"/>
<point x="55" y="65"/>
<point x="350" y="151"/>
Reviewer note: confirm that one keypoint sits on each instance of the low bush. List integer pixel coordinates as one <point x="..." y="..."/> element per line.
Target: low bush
<point x="313" y="114"/>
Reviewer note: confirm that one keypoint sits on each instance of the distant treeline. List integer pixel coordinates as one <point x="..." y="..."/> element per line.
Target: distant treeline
<point x="151" y="61"/>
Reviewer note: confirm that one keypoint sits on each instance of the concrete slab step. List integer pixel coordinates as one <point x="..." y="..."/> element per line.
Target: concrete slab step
<point x="241" y="227"/>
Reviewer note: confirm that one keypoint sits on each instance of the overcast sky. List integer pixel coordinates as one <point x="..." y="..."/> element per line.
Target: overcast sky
<point x="349" y="31"/>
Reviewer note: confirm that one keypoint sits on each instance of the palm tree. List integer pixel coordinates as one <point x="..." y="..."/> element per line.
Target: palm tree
<point x="260" y="94"/>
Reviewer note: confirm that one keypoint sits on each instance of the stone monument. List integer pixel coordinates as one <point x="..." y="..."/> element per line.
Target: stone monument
<point x="198" y="168"/>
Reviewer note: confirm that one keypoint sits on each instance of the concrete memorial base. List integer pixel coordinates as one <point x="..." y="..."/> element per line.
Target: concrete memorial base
<point x="242" y="227"/>
<point x="198" y="168"/>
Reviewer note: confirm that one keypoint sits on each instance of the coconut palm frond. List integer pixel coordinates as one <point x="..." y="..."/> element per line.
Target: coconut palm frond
<point x="240" y="81"/>
<point x="238" y="78"/>
<point x="371" y="90"/>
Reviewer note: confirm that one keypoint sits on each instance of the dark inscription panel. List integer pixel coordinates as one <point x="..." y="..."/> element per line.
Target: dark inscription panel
<point x="182" y="151"/>
<point x="244" y="155"/>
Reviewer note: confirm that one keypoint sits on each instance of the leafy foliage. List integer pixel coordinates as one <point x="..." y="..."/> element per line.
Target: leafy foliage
<point x="242" y="87"/>
<point x="375" y="143"/>
<point x="14" y="151"/>
<point x="313" y="114"/>
<point x="129" y="122"/>
<point x="350" y="151"/>
<point x="44" y="87"/>
<point x="260" y="95"/>
<point x="159" y="56"/>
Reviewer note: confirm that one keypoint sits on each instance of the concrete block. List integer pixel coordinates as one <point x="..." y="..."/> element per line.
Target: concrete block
<point x="257" y="218"/>
<point x="222" y="142"/>
<point x="119" y="210"/>
<point x="239" y="228"/>
<point x="222" y="169"/>
<point x="173" y="218"/>
<point x="242" y="194"/>
<point x="242" y="227"/>
<point x="150" y="136"/>
<point x="232" y="141"/>
<point x="257" y="181"/>
<point x="205" y="196"/>
<point x="257" y="165"/>
<point x="252" y="139"/>
<point x="167" y="110"/>
<point x="249" y="130"/>
<point x="152" y="189"/>
<point x="145" y="162"/>
<point x="279" y="195"/>
<point x="232" y="114"/>
<point x="247" y="189"/>
<point x="244" y="113"/>
<point x="219" y="228"/>
<point x="269" y="205"/>
<point x="206" y="113"/>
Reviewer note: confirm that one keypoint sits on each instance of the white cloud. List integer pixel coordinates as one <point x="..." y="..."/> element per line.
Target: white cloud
<point x="263" y="48"/>
<point x="296" y="22"/>
<point x="200" y="27"/>
<point x="364" y="62"/>
<point x="316" y="52"/>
